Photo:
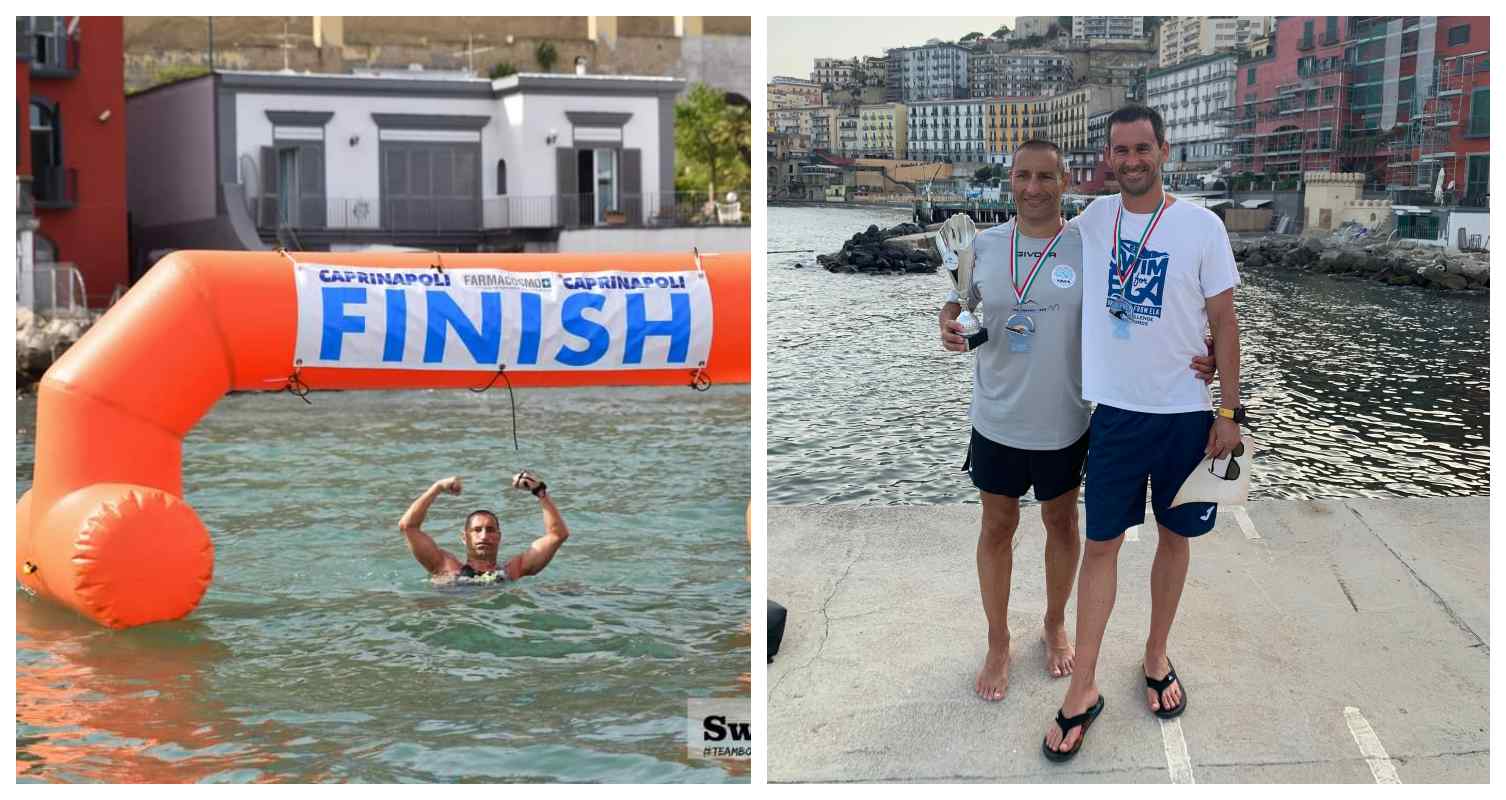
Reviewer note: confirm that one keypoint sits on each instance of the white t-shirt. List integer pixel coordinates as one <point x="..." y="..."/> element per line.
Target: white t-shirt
<point x="1187" y="260"/>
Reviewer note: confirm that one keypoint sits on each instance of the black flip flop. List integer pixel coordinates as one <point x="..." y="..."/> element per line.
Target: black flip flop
<point x="1161" y="685"/>
<point x="1085" y="719"/>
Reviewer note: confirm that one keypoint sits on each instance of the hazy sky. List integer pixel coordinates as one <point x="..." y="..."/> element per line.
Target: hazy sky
<point x="796" y="42"/>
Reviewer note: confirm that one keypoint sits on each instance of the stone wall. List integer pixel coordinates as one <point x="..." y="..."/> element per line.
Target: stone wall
<point x="158" y="48"/>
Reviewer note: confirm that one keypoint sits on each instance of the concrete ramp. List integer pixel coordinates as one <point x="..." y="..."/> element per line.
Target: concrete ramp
<point x="1332" y="641"/>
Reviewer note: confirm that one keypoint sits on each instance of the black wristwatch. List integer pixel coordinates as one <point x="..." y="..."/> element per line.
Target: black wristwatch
<point x="539" y="490"/>
<point x="1236" y="414"/>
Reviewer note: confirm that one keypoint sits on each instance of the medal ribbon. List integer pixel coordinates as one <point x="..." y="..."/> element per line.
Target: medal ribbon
<point x="1126" y="273"/>
<point x="1014" y="276"/>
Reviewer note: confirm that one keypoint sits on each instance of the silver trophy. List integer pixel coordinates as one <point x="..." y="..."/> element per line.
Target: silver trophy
<point x="955" y="243"/>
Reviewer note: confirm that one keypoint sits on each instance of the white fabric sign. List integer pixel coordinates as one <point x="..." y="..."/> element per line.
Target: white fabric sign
<point x="479" y="319"/>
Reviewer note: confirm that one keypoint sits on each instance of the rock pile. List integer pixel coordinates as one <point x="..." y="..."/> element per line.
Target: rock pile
<point x="1398" y="263"/>
<point x="39" y="341"/>
<point x="870" y="252"/>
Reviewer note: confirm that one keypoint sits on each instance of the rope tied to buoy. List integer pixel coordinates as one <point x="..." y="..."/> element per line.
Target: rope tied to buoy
<point x="295" y="385"/>
<point x="502" y="373"/>
<point x="699" y="380"/>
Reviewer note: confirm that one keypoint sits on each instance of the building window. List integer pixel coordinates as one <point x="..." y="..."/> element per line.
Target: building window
<point x="1477" y="182"/>
<point x="48" y="39"/>
<point x="1250" y="77"/>
<point x="1479" y="112"/>
<point x="46" y="136"/>
<point x="1458" y="35"/>
<point x="501" y="176"/>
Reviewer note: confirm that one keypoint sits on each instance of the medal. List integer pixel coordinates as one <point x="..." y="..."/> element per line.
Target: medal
<point x="1021" y="330"/>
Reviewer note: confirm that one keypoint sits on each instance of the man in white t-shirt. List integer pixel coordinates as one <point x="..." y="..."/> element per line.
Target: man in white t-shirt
<point x="1156" y="273"/>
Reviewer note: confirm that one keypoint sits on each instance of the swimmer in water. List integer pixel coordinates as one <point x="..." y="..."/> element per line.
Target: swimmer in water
<point x="482" y="538"/>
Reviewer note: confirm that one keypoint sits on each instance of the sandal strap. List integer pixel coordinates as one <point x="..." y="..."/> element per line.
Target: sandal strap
<point x="1068" y="723"/>
<point x="1160" y="685"/>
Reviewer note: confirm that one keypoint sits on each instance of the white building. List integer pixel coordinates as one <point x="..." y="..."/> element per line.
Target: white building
<point x="243" y="160"/>
<point x="1191" y="97"/>
<point x="1108" y="27"/>
<point x="947" y="130"/>
<point x="936" y="70"/>
<point x="1184" y="38"/>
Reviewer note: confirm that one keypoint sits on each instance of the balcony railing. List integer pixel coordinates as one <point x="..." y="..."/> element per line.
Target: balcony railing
<point x="356" y="215"/>
<point x="55" y="187"/>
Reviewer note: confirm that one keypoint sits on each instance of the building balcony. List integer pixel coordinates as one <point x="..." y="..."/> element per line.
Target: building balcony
<point x="55" y="187"/>
<point x="354" y="218"/>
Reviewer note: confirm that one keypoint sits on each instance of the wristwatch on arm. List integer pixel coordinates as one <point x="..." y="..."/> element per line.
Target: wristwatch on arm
<point x="1236" y="414"/>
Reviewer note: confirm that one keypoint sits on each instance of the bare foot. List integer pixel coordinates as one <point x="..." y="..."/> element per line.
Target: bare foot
<point x="1171" y="696"/>
<point x="1075" y="703"/>
<point x="1059" y="651"/>
<point x="993" y="678"/>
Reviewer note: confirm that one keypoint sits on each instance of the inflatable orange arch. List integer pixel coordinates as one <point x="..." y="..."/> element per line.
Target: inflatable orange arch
<point x="104" y="528"/>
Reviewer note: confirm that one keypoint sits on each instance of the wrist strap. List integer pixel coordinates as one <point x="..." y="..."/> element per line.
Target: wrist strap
<point x="539" y="490"/>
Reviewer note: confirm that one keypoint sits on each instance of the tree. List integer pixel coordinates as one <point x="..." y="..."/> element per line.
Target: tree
<point x="1002" y="32"/>
<point x="983" y="174"/>
<point x="546" y="55"/>
<point x="713" y="142"/>
<point x="502" y="69"/>
<point x="971" y="36"/>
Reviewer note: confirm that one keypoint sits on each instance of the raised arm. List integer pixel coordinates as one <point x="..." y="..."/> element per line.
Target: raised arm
<point x="538" y="555"/>
<point x="422" y="544"/>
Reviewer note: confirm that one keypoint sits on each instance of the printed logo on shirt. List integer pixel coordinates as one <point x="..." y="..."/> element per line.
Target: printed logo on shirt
<point x="1147" y="285"/>
<point x="1064" y="276"/>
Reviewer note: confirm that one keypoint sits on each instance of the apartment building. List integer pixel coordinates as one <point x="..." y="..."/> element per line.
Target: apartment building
<point x="1108" y="27"/>
<point x="837" y="73"/>
<point x="1184" y="38"/>
<point x="1063" y="119"/>
<point x="1401" y="100"/>
<point x="1193" y="98"/>
<point x="947" y="130"/>
<point x="996" y="71"/>
<point x="1008" y="122"/>
<point x="71" y="224"/>
<point x="787" y="92"/>
<point x="936" y="70"/>
<point x="882" y="130"/>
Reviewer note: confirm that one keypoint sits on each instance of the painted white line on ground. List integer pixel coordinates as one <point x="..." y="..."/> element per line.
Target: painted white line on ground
<point x="1245" y="524"/>
<point x="1370" y="746"/>
<point x="1177" y="761"/>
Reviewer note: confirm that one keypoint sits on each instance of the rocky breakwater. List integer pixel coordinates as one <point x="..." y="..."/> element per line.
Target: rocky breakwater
<point x="39" y="342"/>
<point x="871" y="252"/>
<point x="1398" y="263"/>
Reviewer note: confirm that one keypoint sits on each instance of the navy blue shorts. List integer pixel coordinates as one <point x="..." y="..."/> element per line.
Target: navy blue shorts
<point x="1000" y="469"/>
<point x="1128" y="447"/>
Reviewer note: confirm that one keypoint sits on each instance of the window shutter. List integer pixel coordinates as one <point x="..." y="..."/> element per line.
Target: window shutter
<point x="267" y="218"/>
<point x="565" y="189"/>
<point x="632" y="185"/>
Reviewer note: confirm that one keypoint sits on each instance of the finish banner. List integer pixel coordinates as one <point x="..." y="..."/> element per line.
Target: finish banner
<point x="480" y="319"/>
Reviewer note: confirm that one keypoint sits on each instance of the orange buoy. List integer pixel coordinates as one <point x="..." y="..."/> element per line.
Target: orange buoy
<point x="104" y="528"/>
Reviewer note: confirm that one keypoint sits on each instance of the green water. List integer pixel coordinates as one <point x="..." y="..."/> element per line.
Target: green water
<point x="322" y="654"/>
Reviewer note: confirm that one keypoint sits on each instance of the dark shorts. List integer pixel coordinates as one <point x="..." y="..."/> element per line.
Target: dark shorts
<point x="1000" y="469"/>
<point x="1129" y="447"/>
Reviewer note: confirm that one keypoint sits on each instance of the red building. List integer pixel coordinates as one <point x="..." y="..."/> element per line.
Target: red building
<point x="71" y="158"/>
<point x="1399" y="99"/>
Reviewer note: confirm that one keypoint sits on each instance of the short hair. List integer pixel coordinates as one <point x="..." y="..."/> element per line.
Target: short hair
<point x="494" y="517"/>
<point x="1134" y="112"/>
<point x="1042" y="144"/>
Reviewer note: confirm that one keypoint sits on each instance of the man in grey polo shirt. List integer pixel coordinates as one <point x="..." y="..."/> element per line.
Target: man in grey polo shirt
<point x="1030" y="421"/>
